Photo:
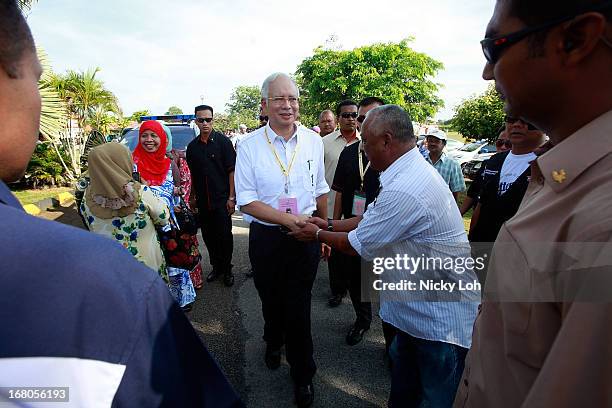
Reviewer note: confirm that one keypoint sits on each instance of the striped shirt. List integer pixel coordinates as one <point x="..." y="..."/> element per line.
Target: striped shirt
<point x="450" y="170"/>
<point x="415" y="214"/>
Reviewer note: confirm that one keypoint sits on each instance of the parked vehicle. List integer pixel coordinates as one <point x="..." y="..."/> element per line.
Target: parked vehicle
<point x="470" y="169"/>
<point x="472" y="151"/>
<point x="452" y="145"/>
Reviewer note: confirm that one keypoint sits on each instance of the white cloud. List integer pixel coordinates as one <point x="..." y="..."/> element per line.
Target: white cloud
<point x="154" y="55"/>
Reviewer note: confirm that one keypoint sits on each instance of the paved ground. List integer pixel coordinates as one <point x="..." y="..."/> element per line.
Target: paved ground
<point x="230" y="323"/>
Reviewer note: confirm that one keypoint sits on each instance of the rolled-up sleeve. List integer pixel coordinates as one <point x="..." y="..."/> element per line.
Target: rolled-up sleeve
<point x="322" y="187"/>
<point x="394" y="216"/>
<point x="244" y="177"/>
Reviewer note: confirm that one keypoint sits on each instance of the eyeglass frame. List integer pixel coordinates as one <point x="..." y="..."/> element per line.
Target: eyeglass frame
<point x="502" y="142"/>
<point x="202" y="120"/>
<point x="346" y="115"/>
<point x="509" y="119"/>
<point x="492" y="47"/>
<point x="278" y="100"/>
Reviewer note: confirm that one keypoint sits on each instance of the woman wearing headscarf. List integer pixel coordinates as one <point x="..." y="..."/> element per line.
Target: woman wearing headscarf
<point x="117" y="206"/>
<point x="182" y="177"/>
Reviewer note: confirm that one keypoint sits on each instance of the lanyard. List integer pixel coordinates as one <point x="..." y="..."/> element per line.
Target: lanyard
<point x="362" y="172"/>
<point x="285" y="170"/>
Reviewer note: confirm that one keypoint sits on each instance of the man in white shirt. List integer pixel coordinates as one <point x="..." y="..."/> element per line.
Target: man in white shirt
<point x="280" y="180"/>
<point x="414" y="216"/>
<point x="334" y="143"/>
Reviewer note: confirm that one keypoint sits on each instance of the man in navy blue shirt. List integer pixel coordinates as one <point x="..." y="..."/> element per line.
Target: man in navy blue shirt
<point x="77" y="310"/>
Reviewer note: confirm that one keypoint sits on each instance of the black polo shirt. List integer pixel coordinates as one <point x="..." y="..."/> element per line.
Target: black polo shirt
<point x="347" y="179"/>
<point x="210" y="164"/>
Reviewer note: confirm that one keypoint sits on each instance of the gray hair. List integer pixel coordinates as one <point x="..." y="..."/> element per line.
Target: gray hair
<point x="326" y="111"/>
<point x="394" y="119"/>
<point x="265" y="87"/>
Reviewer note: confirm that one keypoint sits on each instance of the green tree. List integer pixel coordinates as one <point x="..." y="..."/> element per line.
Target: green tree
<point x="244" y="106"/>
<point x="480" y="116"/>
<point x="174" y="110"/>
<point x="391" y="71"/>
<point x="136" y="115"/>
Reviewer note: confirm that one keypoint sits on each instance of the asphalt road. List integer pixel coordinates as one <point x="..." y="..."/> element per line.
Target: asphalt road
<point x="230" y="323"/>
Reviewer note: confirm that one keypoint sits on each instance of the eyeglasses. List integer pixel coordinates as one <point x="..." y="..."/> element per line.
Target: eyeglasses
<point x="512" y="120"/>
<point x="492" y="48"/>
<point x="347" y="115"/>
<point x="360" y="118"/>
<point x="502" y="142"/>
<point x="202" y="120"/>
<point x="263" y="118"/>
<point x="279" y="100"/>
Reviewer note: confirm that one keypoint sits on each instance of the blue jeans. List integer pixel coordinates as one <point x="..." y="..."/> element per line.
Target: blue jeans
<point x="425" y="373"/>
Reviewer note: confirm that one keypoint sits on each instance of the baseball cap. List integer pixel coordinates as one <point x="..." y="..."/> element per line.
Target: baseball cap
<point x="437" y="133"/>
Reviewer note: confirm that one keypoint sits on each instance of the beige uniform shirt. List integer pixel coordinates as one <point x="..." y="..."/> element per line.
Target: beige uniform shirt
<point x="556" y="351"/>
<point x="333" y="144"/>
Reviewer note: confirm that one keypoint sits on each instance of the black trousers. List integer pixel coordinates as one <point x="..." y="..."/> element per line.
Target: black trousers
<point x="284" y="271"/>
<point x="217" y="233"/>
<point x="338" y="279"/>
<point x="363" y="310"/>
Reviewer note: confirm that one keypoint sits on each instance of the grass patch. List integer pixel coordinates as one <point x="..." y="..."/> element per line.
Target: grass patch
<point x="467" y="218"/>
<point x="34" y="196"/>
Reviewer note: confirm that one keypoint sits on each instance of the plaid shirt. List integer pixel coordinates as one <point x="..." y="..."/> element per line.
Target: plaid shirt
<point x="450" y="170"/>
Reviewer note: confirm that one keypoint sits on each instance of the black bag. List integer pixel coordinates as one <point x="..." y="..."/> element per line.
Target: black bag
<point x="187" y="221"/>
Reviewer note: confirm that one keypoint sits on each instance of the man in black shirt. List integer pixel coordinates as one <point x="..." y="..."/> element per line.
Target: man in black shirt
<point x="356" y="186"/>
<point x="211" y="159"/>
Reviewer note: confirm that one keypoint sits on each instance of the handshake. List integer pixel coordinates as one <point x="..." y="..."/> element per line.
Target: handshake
<point x="305" y="229"/>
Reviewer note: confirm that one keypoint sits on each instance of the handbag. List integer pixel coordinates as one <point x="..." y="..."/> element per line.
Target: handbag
<point x="186" y="219"/>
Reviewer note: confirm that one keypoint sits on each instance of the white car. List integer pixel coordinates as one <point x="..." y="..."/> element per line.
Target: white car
<point x="452" y="145"/>
<point x="472" y="151"/>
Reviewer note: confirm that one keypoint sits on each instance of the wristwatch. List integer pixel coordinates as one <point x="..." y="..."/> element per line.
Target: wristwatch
<point x="232" y="199"/>
<point x="330" y="226"/>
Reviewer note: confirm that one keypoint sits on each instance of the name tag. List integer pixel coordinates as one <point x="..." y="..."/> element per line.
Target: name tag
<point x="288" y="205"/>
<point x="359" y="203"/>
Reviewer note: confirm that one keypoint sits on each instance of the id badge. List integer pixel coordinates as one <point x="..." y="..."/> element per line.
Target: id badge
<point x="359" y="203"/>
<point x="288" y="204"/>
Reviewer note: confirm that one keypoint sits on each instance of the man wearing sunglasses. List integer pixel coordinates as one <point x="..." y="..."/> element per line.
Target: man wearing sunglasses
<point x="504" y="180"/>
<point x="211" y="159"/>
<point x="544" y="338"/>
<point x="334" y="143"/>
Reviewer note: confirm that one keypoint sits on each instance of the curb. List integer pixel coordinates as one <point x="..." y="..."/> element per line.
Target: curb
<point x="64" y="199"/>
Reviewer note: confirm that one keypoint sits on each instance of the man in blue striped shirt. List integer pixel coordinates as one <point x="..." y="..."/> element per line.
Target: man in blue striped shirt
<point x="449" y="168"/>
<point x="413" y="221"/>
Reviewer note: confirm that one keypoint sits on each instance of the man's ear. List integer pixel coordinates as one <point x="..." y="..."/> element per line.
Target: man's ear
<point x="388" y="138"/>
<point x="580" y="37"/>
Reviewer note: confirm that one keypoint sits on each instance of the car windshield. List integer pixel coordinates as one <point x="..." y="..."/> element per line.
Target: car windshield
<point x="488" y="149"/>
<point x="181" y="136"/>
<point x="470" y="147"/>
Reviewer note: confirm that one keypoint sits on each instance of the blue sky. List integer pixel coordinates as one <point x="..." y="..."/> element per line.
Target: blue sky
<point x="158" y="53"/>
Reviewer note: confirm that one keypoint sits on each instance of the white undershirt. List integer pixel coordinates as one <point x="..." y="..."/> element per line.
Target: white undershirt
<point x="513" y="167"/>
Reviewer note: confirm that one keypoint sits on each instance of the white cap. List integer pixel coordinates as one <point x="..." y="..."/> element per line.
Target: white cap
<point x="242" y="126"/>
<point x="437" y="133"/>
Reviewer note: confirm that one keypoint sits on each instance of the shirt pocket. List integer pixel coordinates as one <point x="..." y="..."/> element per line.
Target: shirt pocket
<point x="309" y="175"/>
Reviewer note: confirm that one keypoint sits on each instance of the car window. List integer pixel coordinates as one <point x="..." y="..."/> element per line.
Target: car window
<point x="181" y="136"/>
<point x="470" y="147"/>
<point x="488" y="149"/>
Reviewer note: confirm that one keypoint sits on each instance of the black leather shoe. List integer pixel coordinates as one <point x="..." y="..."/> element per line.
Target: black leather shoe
<point x="212" y="276"/>
<point x="272" y="358"/>
<point x="228" y="279"/>
<point x="355" y="335"/>
<point x="304" y="395"/>
<point x="335" y="301"/>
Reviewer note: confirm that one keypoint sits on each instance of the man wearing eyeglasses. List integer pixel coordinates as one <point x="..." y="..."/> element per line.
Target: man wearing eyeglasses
<point x="543" y="335"/>
<point x="504" y="181"/>
<point x="334" y="143"/>
<point x="211" y="158"/>
<point x="280" y="180"/>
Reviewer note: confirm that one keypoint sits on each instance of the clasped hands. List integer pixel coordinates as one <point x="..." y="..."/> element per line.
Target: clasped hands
<point x="305" y="229"/>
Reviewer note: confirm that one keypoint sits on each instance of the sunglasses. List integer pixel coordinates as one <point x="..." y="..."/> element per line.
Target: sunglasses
<point x="500" y="143"/>
<point x="512" y="120"/>
<point x="492" y="48"/>
<point x="202" y="120"/>
<point x="262" y="118"/>
<point x="347" y="115"/>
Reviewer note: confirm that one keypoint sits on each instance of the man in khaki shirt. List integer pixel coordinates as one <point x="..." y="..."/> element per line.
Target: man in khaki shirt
<point x="544" y="334"/>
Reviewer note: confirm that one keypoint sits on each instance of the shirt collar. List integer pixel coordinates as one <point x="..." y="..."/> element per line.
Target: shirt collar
<point x="339" y="134"/>
<point x="6" y="197"/>
<point x="273" y="136"/>
<point x="388" y="175"/>
<point x="442" y="158"/>
<point x="565" y="162"/>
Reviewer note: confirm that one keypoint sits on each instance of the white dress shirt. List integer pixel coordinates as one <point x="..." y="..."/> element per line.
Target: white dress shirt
<point x="258" y="176"/>
<point x="416" y="214"/>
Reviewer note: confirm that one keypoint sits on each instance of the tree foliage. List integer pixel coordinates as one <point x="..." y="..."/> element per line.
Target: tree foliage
<point x="391" y="71"/>
<point x="243" y="107"/>
<point x="174" y="110"/>
<point x="480" y="116"/>
<point x="135" y="117"/>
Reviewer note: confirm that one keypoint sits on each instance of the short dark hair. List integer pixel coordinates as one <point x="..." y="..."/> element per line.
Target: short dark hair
<point x="346" y="102"/>
<point x="533" y="12"/>
<point x="370" y="100"/>
<point x="395" y="120"/>
<point x="204" y="107"/>
<point x="15" y="38"/>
